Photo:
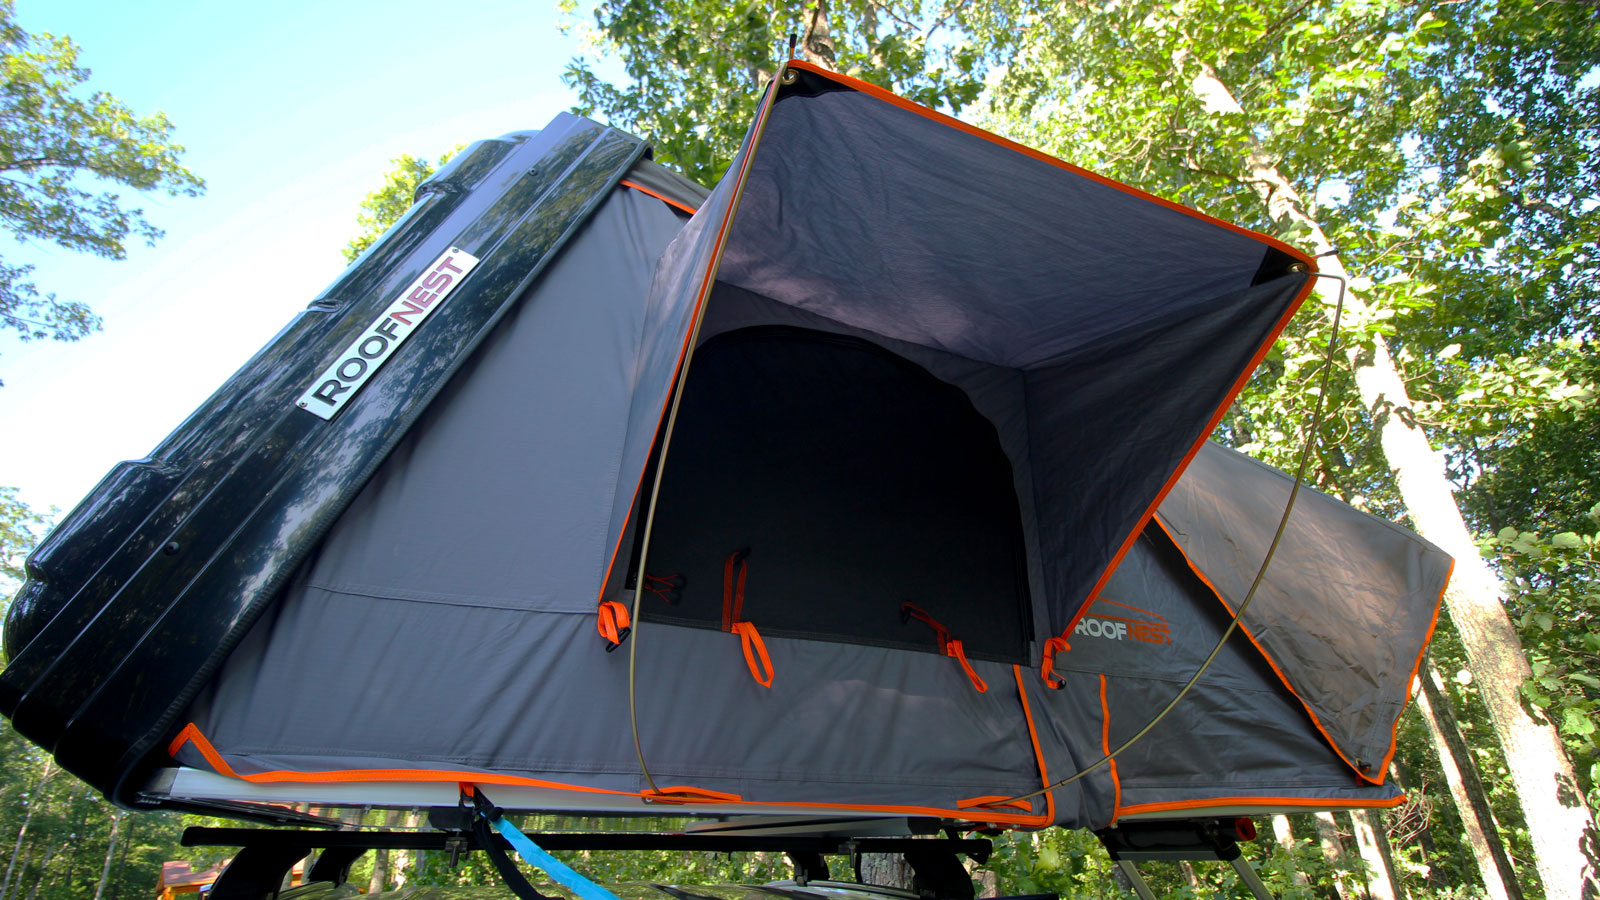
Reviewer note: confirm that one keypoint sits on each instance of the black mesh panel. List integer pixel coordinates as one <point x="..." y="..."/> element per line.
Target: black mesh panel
<point x="857" y="480"/>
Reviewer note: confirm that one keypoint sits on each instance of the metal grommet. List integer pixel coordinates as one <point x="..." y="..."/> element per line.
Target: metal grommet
<point x="789" y="76"/>
<point x="1298" y="268"/>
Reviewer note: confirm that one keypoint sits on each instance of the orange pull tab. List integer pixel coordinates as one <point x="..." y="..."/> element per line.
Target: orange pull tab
<point x="948" y="645"/>
<point x="612" y="621"/>
<point x="953" y="648"/>
<point x="1047" y="671"/>
<point x="754" y="647"/>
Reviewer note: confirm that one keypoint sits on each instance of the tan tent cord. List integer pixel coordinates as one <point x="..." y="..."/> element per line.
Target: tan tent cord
<point x="672" y="418"/>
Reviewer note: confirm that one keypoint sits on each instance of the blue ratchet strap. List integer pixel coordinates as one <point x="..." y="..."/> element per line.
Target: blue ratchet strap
<point x="539" y="858"/>
<point x="532" y="853"/>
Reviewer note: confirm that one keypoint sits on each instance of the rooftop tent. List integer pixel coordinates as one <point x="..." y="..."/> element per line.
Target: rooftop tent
<point x="868" y="452"/>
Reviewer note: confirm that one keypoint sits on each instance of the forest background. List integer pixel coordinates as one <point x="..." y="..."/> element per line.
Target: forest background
<point x="1442" y="155"/>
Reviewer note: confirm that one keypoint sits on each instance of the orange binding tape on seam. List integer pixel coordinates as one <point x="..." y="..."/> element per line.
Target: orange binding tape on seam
<point x="750" y="640"/>
<point x="948" y="645"/>
<point x="191" y="735"/>
<point x="613" y="623"/>
<point x="1047" y="670"/>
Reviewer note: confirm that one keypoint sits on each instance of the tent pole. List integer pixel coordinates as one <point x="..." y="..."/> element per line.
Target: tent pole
<point x="1247" y="874"/>
<point x="1131" y="872"/>
<point x="757" y="129"/>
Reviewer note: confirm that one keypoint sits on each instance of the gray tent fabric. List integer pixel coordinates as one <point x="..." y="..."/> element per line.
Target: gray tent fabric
<point x="970" y="247"/>
<point x="1349" y="661"/>
<point x="1238" y="734"/>
<point x="445" y="628"/>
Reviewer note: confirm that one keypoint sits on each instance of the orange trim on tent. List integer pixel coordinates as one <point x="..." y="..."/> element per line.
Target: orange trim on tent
<point x="1033" y="735"/>
<point x="661" y="420"/>
<point x="1305" y="802"/>
<point x="191" y="734"/>
<point x="1416" y="668"/>
<point x="1299" y="255"/>
<point x="1381" y="770"/>
<point x="1105" y="747"/>
<point x="662" y="197"/>
<point x="1205" y="434"/>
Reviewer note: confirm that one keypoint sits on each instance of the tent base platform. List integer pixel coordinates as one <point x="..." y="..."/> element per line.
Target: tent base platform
<point x="267" y="855"/>
<point x="191" y="787"/>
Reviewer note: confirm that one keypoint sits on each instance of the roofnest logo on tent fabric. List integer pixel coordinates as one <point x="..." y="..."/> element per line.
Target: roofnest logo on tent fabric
<point x="1124" y="623"/>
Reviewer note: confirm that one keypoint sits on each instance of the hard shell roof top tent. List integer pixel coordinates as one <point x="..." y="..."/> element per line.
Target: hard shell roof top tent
<point x="912" y="541"/>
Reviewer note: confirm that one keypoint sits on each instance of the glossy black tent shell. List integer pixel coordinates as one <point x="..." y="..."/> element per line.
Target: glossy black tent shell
<point x="229" y="503"/>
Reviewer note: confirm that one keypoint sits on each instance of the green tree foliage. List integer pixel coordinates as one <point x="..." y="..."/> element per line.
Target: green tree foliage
<point x="385" y="205"/>
<point x="56" y="140"/>
<point x="62" y="851"/>
<point x="1558" y="609"/>
<point x="694" y="67"/>
<point x="1445" y="149"/>
<point x="20" y="527"/>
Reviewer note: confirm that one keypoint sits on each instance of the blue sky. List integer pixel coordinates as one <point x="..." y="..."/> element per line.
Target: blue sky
<point x="291" y="112"/>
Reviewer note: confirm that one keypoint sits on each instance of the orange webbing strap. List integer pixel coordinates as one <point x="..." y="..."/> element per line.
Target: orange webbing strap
<point x="948" y="645"/>
<point x="612" y="621"/>
<point x="734" y="572"/>
<point x="1047" y="671"/>
<point x="993" y="802"/>
<point x="754" y="647"/>
<point x="953" y="648"/>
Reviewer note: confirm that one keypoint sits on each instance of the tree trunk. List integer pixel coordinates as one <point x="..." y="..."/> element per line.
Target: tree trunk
<point x="886" y="870"/>
<point x="988" y="884"/>
<point x="1283" y="831"/>
<point x="1374" y="846"/>
<point x="122" y="859"/>
<point x="111" y="853"/>
<point x="817" y="43"/>
<point x="1333" y="852"/>
<point x="22" y="833"/>
<point x="380" y="858"/>
<point x="1547" y="787"/>
<point x="44" y="871"/>
<point x="1461" y="774"/>
<point x="402" y="858"/>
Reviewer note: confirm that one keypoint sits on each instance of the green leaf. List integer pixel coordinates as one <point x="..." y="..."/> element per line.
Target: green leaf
<point x="1567" y="540"/>
<point x="1576" y="722"/>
